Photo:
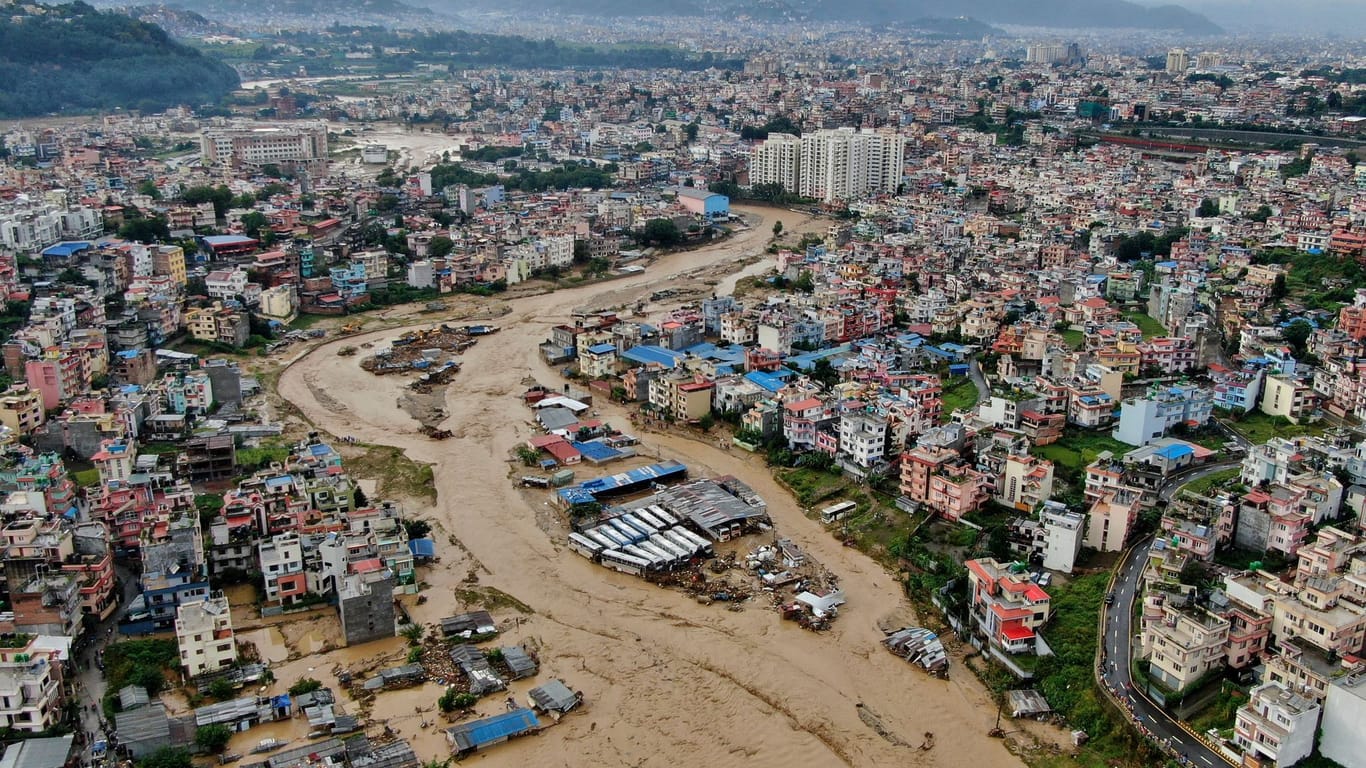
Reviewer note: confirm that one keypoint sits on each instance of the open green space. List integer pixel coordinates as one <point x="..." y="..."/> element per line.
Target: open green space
<point x="1205" y="485"/>
<point x="1259" y="427"/>
<point x="1074" y="338"/>
<point x="958" y="394"/>
<point x="1076" y="449"/>
<point x="1146" y="323"/>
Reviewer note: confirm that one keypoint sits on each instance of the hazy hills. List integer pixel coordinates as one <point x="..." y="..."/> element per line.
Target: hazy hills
<point x="1039" y="13"/>
<point x="74" y="58"/>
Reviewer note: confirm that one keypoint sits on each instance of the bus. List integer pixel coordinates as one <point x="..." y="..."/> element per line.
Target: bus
<point x="682" y="541"/>
<point x="617" y="538"/>
<point x="649" y="546"/>
<point x="836" y="511"/>
<point x="625" y="529"/>
<point x="703" y="545"/>
<point x="669" y="545"/>
<point x="663" y="515"/>
<point x="639" y="524"/>
<point x="624" y="563"/>
<point x="649" y="518"/>
<point x="584" y="545"/>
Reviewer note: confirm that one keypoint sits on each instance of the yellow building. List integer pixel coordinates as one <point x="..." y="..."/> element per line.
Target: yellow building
<point x="169" y="260"/>
<point x="21" y="409"/>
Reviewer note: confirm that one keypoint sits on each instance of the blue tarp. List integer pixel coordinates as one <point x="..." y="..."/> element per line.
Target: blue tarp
<point x="422" y="547"/>
<point x="1175" y="451"/>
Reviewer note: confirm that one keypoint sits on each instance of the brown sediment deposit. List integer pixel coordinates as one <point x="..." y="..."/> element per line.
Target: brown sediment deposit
<point x="666" y="681"/>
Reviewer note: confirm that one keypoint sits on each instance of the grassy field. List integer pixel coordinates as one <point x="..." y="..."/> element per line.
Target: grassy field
<point x="960" y="393"/>
<point x="1077" y="449"/>
<point x="1259" y="427"/>
<point x="1074" y="338"/>
<point x="1208" y="483"/>
<point x="1145" y="323"/>
<point x="397" y="475"/>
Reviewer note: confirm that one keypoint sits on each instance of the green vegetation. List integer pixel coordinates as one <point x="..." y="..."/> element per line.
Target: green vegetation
<point x="1067" y="678"/>
<point x="1258" y="427"/>
<point x="1317" y="280"/>
<point x="1146" y="323"/>
<point x="452" y="700"/>
<point x="960" y="394"/>
<point x="74" y="58"/>
<point x="397" y="475"/>
<point x="568" y="176"/>
<point x="1076" y="449"/>
<point x="86" y="478"/>
<point x="269" y="452"/>
<point x="1074" y="338"/>
<point x="304" y="685"/>
<point x="1132" y="247"/>
<point x="167" y="757"/>
<point x="213" y="738"/>
<point x="1208" y="483"/>
<point x="1221" y="712"/>
<point x="138" y="662"/>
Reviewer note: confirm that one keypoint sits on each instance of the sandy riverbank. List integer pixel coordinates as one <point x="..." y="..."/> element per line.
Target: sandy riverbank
<point x="667" y="682"/>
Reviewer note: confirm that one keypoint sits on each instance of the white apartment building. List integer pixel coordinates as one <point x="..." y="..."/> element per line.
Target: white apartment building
<point x="777" y="161"/>
<point x="279" y="145"/>
<point x="203" y="629"/>
<point x="863" y="439"/>
<point x="1344" y="710"/>
<point x="1276" y="725"/>
<point x="845" y="163"/>
<point x="1062" y="537"/>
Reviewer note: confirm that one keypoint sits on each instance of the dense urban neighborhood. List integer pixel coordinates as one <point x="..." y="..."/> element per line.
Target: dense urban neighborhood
<point x="396" y="406"/>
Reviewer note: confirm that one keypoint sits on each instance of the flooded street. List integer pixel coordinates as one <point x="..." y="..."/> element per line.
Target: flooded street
<point x="666" y="681"/>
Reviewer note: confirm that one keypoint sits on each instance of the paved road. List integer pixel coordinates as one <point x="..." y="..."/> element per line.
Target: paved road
<point x="983" y="389"/>
<point x="1120" y="636"/>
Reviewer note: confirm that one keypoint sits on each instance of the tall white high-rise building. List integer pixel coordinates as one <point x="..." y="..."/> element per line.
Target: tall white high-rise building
<point x="845" y="163"/>
<point x="777" y="161"/>
<point x="1178" y="61"/>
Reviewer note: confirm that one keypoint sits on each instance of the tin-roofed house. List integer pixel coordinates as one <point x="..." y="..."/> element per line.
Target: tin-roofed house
<point x="475" y="735"/>
<point x="554" y="697"/>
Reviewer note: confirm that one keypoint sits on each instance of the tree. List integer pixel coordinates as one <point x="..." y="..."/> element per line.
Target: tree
<point x="417" y="529"/>
<point x="824" y="373"/>
<point x="1208" y="209"/>
<point x="213" y="738"/>
<point x="167" y="757"/>
<point x="805" y="282"/>
<point x="777" y="229"/>
<point x="440" y="247"/>
<point x="661" y="232"/>
<point x="145" y="230"/>
<point x="359" y="499"/>
<point x="690" y="132"/>
<point x="1297" y="335"/>
<point x="149" y="188"/>
<point x="304" y="685"/>
<point x="253" y="223"/>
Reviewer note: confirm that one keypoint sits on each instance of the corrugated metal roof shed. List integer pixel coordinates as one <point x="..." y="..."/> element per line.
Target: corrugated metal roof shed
<point x="477" y="734"/>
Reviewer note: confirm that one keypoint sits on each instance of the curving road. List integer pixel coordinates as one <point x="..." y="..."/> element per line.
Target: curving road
<point x="1119" y="636"/>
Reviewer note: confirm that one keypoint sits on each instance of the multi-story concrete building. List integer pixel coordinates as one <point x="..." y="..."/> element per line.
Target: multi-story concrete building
<point x="1144" y="419"/>
<point x="288" y="146"/>
<point x="845" y="163"/>
<point x="777" y="161"/>
<point x="1111" y="517"/>
<point x="1276" y="725"/>
<point x="1008" y="608"/>
<point x="1344" y="710"/>
<point x="203" y="629"/>
<point x="1184" y="645"/>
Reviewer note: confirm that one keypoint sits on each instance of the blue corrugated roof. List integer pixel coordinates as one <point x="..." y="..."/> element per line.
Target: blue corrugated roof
<point x="772" y="382"/>
<point x="66" y="249"/>
<point x="647" y="353"/>
<point x="228" y="239"/>
<point x="499" y="727"/>
<point x="422" y="547"/>
<point x="602" y="349"/>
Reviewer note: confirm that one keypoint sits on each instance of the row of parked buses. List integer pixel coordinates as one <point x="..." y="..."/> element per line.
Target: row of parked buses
<point x="640" y="541"/>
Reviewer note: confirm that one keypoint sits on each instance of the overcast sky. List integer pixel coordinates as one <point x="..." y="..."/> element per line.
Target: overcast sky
<point x="1335" y="16"/>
